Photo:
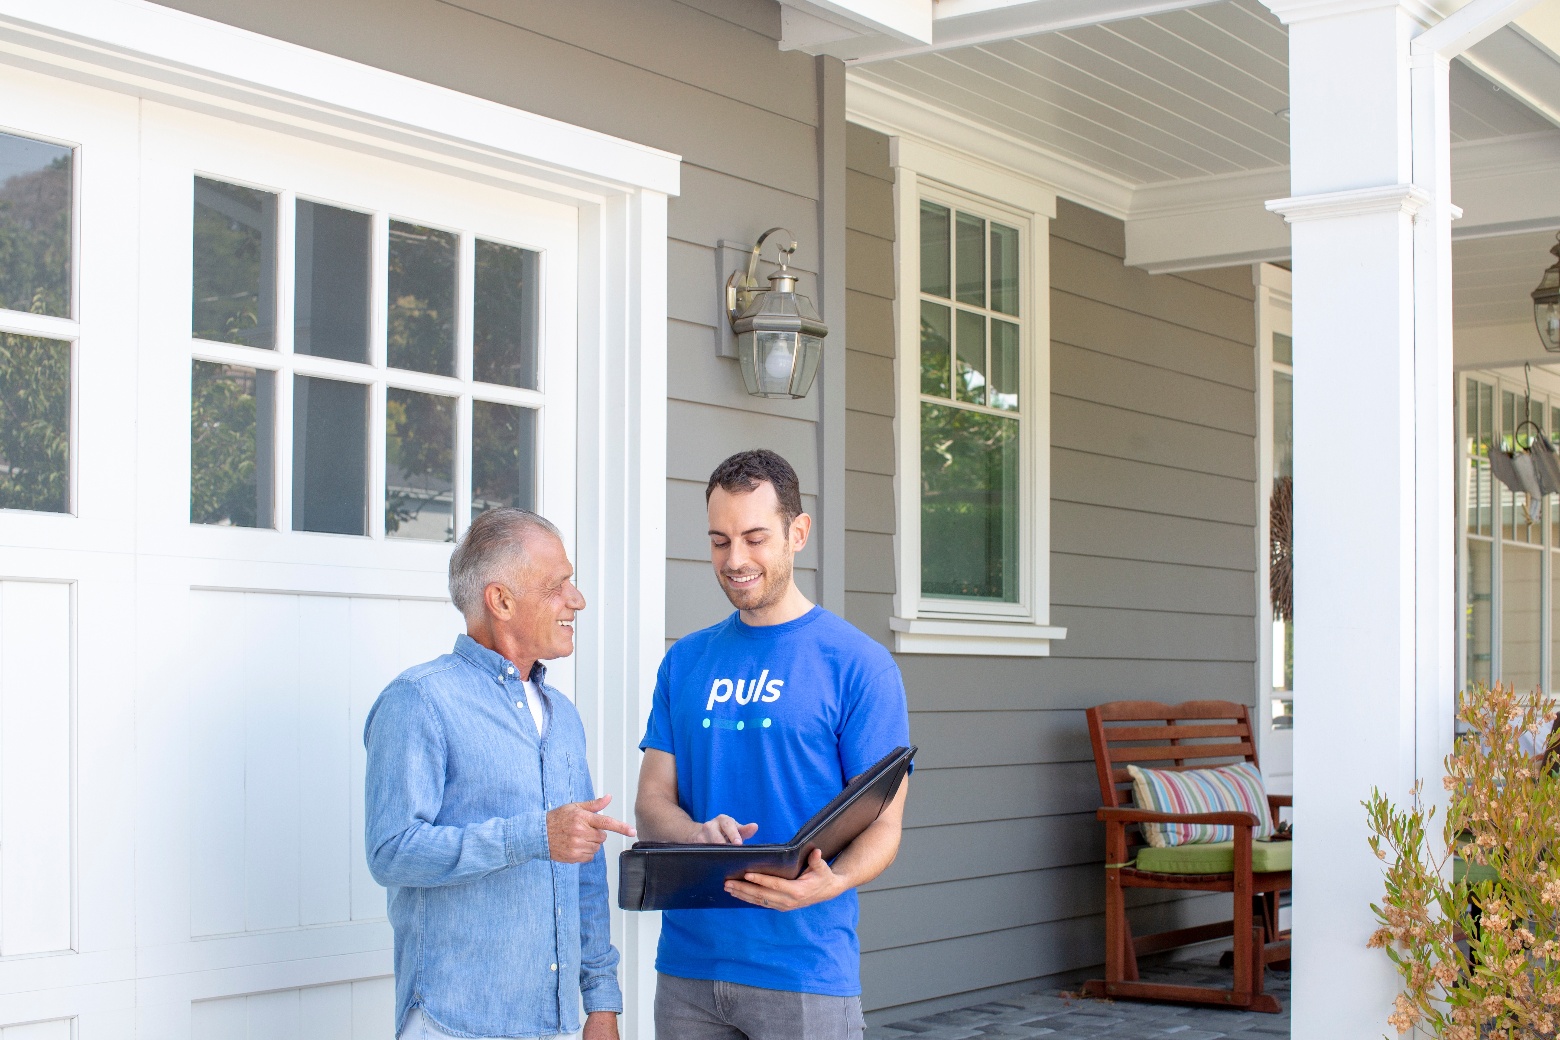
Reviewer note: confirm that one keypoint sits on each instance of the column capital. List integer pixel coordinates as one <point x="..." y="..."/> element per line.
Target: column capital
<point x="1292" y="11"/>
<point x="1400" y="198"/>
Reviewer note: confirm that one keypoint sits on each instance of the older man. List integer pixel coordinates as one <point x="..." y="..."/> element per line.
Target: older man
<point x="481" y="819"/>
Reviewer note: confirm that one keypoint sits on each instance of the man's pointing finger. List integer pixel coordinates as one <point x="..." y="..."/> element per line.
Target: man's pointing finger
<point x="607" y="823"/>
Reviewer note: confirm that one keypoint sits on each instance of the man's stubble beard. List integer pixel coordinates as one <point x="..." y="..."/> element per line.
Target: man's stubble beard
<point x="772" y="589"/>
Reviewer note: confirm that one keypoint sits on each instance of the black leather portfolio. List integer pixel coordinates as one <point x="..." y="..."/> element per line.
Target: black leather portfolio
<point x="658" y="875"/>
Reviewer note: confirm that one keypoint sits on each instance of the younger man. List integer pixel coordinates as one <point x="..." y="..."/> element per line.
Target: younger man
<point x="764" y="718"/>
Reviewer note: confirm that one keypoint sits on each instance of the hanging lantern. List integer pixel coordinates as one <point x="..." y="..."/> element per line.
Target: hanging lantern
<point x="779" y="333"/>
<point x="1546" y="303"/>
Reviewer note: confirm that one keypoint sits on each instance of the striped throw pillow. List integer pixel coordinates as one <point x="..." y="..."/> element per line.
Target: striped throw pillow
<point x="1237" y="788"/>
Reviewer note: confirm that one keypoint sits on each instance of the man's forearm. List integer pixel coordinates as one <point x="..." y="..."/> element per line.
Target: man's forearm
<point x="428" y="856"/>
<point x="660" y="819"/>
<point x="870" y="854"/>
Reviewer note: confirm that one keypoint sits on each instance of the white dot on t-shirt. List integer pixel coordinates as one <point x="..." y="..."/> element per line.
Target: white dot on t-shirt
<point x="706" y="723"/>
<point x="741" y="724"/>
<point x="766" y="723"/>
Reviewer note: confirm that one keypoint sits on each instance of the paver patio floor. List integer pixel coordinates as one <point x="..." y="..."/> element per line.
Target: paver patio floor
<point x="1061" y="1015"/>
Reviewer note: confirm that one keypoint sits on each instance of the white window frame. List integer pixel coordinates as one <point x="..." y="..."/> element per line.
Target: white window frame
<point x="1275" y="314"/>
<point x="928" y="625"/>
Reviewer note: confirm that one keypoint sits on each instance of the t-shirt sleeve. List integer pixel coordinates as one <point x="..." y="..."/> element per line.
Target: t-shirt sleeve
<point x="875" y="721"/>
<point x="658" y="731"/>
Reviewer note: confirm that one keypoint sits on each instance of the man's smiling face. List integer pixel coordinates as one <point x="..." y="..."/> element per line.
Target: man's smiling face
<point x="545" y="600"/>
<point x="751" y="547"/>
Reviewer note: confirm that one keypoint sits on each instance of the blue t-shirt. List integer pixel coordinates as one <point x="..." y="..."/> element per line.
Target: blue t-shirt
<point x="767" y="724"/>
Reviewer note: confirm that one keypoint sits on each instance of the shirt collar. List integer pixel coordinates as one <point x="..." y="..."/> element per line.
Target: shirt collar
<point x="493" y="663"/>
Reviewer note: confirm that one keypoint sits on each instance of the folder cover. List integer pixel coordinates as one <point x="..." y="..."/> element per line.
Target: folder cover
<point x="659" y="875"/>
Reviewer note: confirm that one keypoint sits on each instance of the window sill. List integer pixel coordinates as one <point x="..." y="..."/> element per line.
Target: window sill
<point x="973" y="638"/>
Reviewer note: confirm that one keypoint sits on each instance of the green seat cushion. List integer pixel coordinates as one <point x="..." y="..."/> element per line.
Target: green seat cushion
<point x="1215" y="857"/>
<point x="1477" y="873"/>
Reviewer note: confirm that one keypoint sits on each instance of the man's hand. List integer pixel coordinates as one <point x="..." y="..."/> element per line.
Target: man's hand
<point x="600" y="1025"/>
<point x="818" y="884"/>
<point x="575" y="831"/>
<point x="723" y="830"/>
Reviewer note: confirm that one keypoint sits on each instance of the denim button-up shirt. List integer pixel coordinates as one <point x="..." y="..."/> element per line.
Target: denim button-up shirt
<point x="492" y="938"/>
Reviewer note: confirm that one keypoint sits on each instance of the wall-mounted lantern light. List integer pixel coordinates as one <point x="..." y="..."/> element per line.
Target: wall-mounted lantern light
<point x="779" y="333"/>
<point x="1546" y="303"/>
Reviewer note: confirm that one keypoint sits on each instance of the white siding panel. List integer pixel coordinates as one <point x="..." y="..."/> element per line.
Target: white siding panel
<point x="36" y="754"/>
<point x="343" y="1011"/>
<point x="280" y="695"/>
<point x="54" y="1029"/>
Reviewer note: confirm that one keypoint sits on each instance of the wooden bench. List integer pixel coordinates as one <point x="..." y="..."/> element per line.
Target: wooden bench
<point x="1194" y="735"/>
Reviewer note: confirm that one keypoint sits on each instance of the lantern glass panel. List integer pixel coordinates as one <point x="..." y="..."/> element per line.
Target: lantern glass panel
<point x="810" y="350"/>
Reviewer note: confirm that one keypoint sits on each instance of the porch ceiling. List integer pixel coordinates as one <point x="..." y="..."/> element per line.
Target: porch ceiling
<point x="1182" y="95"/>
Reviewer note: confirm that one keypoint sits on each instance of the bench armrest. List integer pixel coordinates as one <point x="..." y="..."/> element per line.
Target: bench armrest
<point x="1275" y="800"/>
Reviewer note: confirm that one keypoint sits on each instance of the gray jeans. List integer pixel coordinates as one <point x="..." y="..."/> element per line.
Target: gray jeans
<point x="697" y="1009"/>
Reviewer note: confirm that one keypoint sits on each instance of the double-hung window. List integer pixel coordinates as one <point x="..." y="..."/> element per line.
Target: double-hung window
<point x="973" y="408"/>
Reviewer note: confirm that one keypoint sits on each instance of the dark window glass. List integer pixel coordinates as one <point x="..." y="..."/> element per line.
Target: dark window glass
<point x="1004" y="365"/>
<point x="330" y="456"/>
<point x="422" y="299"/>
<point x="969" y="504"/>
<point x="233" y="286"/>
<point x="503" y="456"/>
<point x="505" y="327"/>
<point x="419" y="465"/>
<point x="331" y="298"/>
<point x="232" y="412"/>
<point x="34" y="424"/>
<point x="971" y="260"/>
<point x="969" y="380"/>
<point x="936" y="349"/>
<point x="1004" y="269"/>
<point x="35" y="226"/>
<point x="934" y="250"/>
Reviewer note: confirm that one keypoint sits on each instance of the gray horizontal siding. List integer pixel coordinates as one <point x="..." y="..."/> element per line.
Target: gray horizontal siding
<point x="1153" y="464"/>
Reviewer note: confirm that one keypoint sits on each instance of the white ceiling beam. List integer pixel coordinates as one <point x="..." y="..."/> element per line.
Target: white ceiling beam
<point x="805" y="24"/>
<point x="969" y="23"/>
<point x="1504" y="186"/>
<point x="1466" y="26"/>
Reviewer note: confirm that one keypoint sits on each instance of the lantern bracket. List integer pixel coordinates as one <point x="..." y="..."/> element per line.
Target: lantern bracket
<point x="742" y="286"/>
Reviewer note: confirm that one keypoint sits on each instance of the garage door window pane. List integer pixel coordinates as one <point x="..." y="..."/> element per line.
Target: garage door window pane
<point x="232" y="412"/>
<point x="35" y="226"/>
<point x="422" y="299"/>
<point x="331" y="301"/>
<point x="503" y="456"/>
<point x="504" y="328"/>
<point x="330" y="456"/>
<point x="419" y="466"/>
<point x="34" y="424"/>
<point x="233" y="290"/>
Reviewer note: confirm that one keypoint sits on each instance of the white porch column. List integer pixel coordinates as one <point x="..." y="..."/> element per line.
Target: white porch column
<point x="1374" y="583"/>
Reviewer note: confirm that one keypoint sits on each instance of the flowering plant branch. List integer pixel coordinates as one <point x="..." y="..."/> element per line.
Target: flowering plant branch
<point x="1478" y="949"/>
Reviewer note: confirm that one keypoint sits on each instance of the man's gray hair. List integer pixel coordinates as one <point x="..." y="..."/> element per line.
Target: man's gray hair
<point x="493" y="550"/>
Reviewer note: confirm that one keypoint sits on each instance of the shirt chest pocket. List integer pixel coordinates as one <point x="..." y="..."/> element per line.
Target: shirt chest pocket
<point x="563" y="775"/>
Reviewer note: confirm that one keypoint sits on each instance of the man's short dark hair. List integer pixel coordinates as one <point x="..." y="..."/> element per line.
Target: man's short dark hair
<point x="745" y="470"/>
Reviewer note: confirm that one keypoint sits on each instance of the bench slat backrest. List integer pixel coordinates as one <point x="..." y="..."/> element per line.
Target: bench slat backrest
<point x="1193" y="735"/>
